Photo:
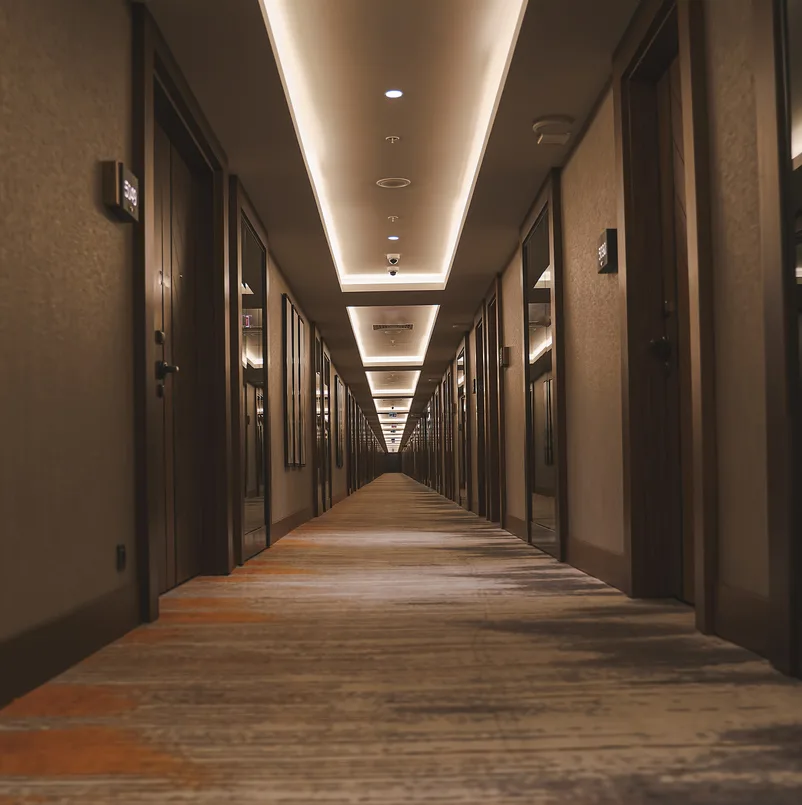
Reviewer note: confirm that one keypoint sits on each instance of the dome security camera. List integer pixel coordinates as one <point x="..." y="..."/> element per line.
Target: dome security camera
<point x="393" y="259"/>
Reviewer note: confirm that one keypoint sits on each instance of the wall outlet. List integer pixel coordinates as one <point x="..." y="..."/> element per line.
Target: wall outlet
<point x="121" y="558"/>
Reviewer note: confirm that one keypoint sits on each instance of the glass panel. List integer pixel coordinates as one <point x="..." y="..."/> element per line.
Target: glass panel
<point x="542" y="455"/>
<point x="254" y="456"/>
<point x="462" y="431"/>
<point x="795" y="73"/>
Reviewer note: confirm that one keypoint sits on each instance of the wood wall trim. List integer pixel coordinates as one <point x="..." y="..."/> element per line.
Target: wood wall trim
<point x="240" y="205"/>
<point x="549" y="199"/>
<point x="704" y="460"/>
<point x="289" y="523"/>
<point x="559" y="362"/>
<point x="743" y="618"/>
<point x="607" y="566"/>
<point x="502" y="410"/>
<point x="33" y="657"/>
<point x="517" y="527"/>
<point x="783" y="427"/>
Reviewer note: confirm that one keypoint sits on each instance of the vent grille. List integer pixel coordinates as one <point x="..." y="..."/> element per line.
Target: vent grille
<point x="392" y="326"/>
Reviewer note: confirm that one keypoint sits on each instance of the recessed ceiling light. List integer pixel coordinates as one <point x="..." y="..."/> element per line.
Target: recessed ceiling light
<point x="392" y="237"/>
<point x="393" y="93"/>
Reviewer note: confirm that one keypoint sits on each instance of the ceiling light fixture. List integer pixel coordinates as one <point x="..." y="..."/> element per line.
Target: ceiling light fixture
<point x="392" y="237"/>
<point x="392" y="139"/>
<point x="393" y="93"/>
<point x="298" y="43"/>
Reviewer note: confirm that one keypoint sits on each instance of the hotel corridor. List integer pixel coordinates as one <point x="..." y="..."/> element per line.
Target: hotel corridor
<point x="400" y="650"/>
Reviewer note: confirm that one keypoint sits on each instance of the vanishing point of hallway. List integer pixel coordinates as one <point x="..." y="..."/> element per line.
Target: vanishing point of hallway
<point x="400" y="650"/>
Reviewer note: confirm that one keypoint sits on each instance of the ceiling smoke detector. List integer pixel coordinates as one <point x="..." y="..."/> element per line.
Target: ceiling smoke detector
<point x="394" y="183"/>
<point x="554" y="130"/>
<point x="392" y="139"/>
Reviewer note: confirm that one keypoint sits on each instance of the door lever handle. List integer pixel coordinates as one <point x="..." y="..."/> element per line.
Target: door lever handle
<point x="661" y="348"/>
<point x="163" y="369"/>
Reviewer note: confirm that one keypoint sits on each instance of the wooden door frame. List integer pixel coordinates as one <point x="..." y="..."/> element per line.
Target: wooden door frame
<point x="481" y="385"/>
<point x="466" y="345"/>
<point x="498" y="390"/>
<point x="241" y="206"/>
<point x="647" y="40"/>
<point x="317" y="432"/>
<point x="152" y="63"/>
<point x="328" y="498"/>
<point x="783" y="427"/>
<point x="549" y="199"/>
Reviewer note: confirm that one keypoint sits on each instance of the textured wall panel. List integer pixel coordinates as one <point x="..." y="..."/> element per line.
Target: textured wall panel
<point x="592" y="343"/>
<point x="66" y="348"/>
<point x="740" y="365"/>
<point x="292" y="487"/>
<point x="514" y="388"/>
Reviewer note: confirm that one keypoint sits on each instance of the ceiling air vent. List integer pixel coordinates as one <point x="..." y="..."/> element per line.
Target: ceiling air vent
<point x="392" y="326"/>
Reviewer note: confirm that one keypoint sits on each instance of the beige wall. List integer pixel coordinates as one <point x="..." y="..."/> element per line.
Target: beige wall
<point x="291" y="486"/>
<point x="592" y="342"/>
<point x="66" y="328"/>
<point x="514" y="389"/>
<point x="740" y="370"/>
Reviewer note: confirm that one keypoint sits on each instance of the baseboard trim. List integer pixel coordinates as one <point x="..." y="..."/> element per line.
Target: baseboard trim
<point x="744" y="618"/>
<point x="283" y="527"/>
<point x="37" y="655"/>
<point x="607" y="566"/>
<point x="516" y="526"/>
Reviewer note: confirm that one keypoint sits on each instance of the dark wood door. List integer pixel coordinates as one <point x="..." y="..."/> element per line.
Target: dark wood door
<point x="178" y="196"/>
<point x="493" y="410"/>
<point x="673" y="348"/>
<point x="327" y="431"/>
<point x="480" y="421"/>
<point x="254" y="421"/>
<point x="320" y="487"/>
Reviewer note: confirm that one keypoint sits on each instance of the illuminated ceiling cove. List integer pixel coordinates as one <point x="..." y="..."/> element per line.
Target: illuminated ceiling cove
<point x="392" y="383"/>
<point x="393" y="336"/>
<point x="366" y="109"/>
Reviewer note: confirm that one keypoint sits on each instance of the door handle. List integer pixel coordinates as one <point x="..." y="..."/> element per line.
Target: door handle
<point x="163" y="369"/>
<point x="661" y="347"/>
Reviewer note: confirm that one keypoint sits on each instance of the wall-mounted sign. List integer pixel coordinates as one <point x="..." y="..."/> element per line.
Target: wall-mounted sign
<point x="608" y="252"/>
<point x="121" y="191"/>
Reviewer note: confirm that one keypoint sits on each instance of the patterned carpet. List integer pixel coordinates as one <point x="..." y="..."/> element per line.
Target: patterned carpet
<point x="398" y="650"/>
